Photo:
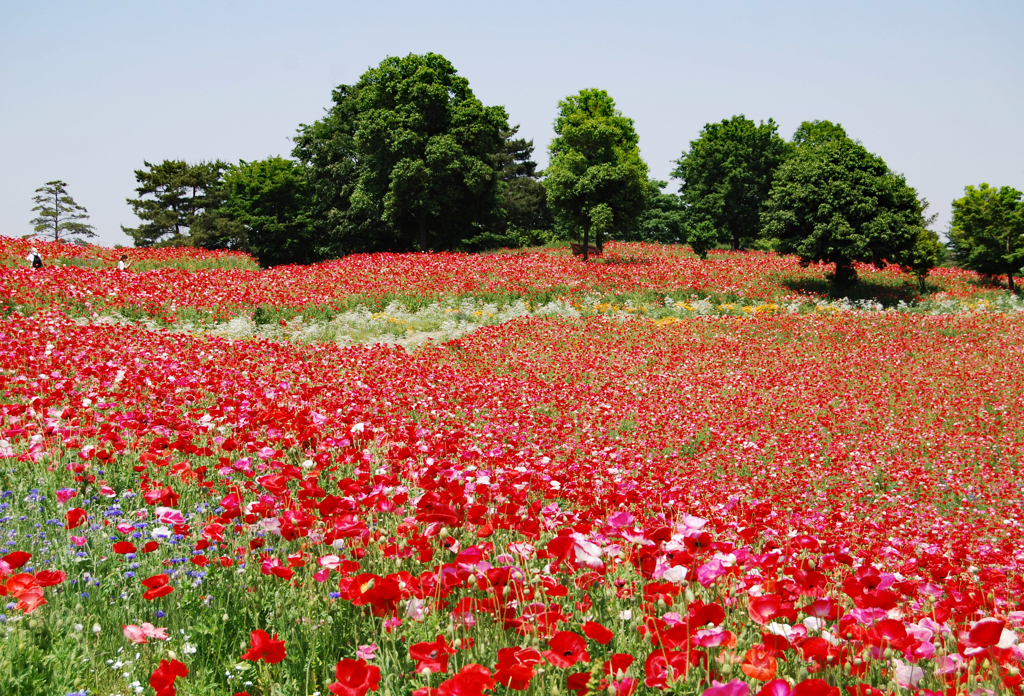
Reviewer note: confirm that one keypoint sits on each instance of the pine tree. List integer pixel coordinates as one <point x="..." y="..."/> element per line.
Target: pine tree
<point x="522" y="195"/>
<point x="60" y="218"/>
<point x="177" y="195"/>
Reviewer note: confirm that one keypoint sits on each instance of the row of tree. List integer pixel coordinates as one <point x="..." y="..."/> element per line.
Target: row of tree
<point x="409" y="159"/>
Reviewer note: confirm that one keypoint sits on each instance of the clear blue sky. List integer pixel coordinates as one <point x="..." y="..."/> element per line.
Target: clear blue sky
<point x="88" y="90"/>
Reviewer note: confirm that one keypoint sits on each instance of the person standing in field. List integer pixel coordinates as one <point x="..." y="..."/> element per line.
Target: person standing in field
<point x="123" y="263"/>
<point x="34" y="258"/>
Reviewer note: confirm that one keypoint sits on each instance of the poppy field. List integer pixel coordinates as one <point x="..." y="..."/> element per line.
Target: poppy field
<point x="778" y="501"/>
<point x="170" y="287"/>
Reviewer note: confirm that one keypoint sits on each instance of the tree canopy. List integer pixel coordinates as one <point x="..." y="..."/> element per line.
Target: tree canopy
<point x="928" y="251"/>
<point x="173" y="196"/>
<point x="987" y="234"/>
<point x="663" y="220"/>
<point x="60" y="218"/>
<point x="596" y="180"/>
<point x="727" y="174"/>
<point x="814" y="133"/>
<point x="327" y="149"/>
<point x="522" y="197"/>
<point x="269" y="199"/>
<point x="405" y="159"/>
<point x="838" y="203"/>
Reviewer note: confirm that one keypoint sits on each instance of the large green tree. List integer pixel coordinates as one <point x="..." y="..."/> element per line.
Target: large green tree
<point x="404" y="159"/>
<point x="60" y="218"/>
<point x="327" y="149"/>
<point x="425" y="146"/>
<point x="987" y="235"/>
<point x="727" y="174"/>
<point x="596" y="181"/>
<point x="838" y="203"/>
<point x="522" y="216"/>
<point x="269" y="199"/>
<point x="173" y="197"/>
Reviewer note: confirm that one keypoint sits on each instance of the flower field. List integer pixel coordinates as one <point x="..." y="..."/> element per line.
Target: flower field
<point x="216" y="287"/>
<point x="777" y="501"/>
<point x="61" y="255"/>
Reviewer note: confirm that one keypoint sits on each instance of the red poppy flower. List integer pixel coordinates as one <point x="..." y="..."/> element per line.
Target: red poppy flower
<point x="162" y="678"/>
<point x="30" y="600"/>
<point x="620" y="662"/>
<point x="515" y="667"/>
<point x="354" y="678"/>
<point x="21" y="583"/>
<point x="703" y="614"/>
<point x="814" y="687"/>
<point x="283" y="573"/>
<point x="49" y="578"/>
<point x="472" y="680"/>
<point x="986" y="633"/>
<point x="767" y="607"/>
<point x="263" y="647"/>
<point x="661" y="665"/>
<point x="578" y="682"/>
<point x="122" y="547"/>
<point x="75" y="518"/>
<point x="150" y="546"/>
<point x="158" y="587"/>
<point x="597" y="632"/>
<point x="433" y="656"/>
<point x="16" y="559"/>
<point x="566" y="649"/>
<point x="865" y="690"/>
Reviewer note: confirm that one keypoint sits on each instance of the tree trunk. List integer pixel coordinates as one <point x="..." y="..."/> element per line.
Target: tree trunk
<point x="600" y="241"/>
<point x="1009" y="280"/>
<point x="586" y="242"/>
<point x="846" y="274"/>
<point x="422" y="221"/>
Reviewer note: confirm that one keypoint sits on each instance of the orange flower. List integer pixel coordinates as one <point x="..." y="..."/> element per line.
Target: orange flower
<point x="21" y="583"/>
<point x="758" y="663"/>
<point x="30" y="600"/>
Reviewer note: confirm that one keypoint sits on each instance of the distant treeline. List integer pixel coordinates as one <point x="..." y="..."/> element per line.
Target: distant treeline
<point x="408" y="159"/>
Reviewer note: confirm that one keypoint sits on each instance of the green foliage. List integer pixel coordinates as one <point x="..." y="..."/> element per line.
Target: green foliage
<point x="173" y="197"/>
<point x="512" y="238"/>
<point x="327" y="149"/>
<point x="814" y="133"/>
<point x="987" y="235"/>
<point x="60" y="218"/>
<point x="522" y="197"/>
<point x="838" y="203"/>
<point x="663" y="220"/>
<point x="595" y="176"/>
<point x="426" y="146"/>
<point x="928" y="251"/>
<point x="404" y="160"/>
<point x="703" y="238"/>
<point x="727" y="175"/>
<point x="269" y="199"/>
